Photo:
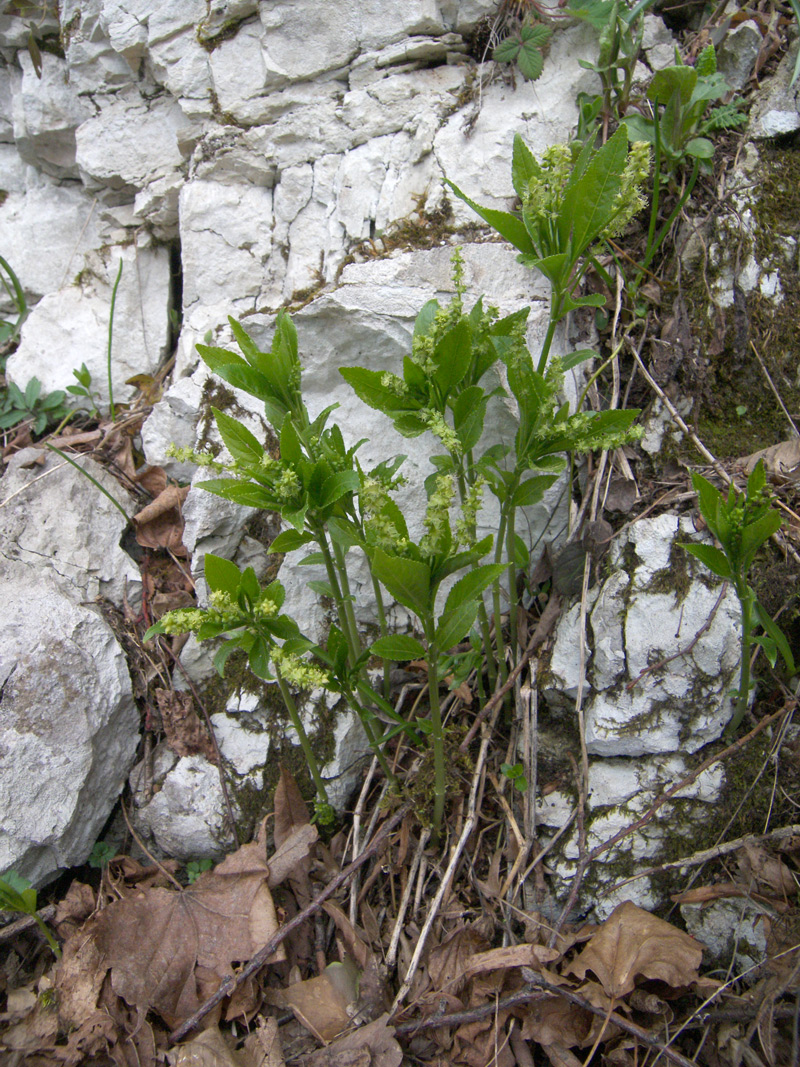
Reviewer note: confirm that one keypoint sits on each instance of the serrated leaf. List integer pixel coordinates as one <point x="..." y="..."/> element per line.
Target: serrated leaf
<point x="507" y="225"/>
<point x="713" y="558"/>
<point x="290" y="541"/>
<point x="473" y="584"/>
<point x="407" y="580"/>
<point x="530" y="61"/>
<point x="241" y="444"/>
<point x="246" y="493"/>
<point x="454" y="625"/>
<point x="221" y="574"/>
<point x="399" y="648"/>
<point x="321" y="588"/>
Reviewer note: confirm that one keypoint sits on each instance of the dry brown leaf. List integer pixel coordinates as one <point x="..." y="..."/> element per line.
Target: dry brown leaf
<point x="160" y="523"/>
<point x="447" y="961"/>
<point x="705" y="893"/>
<point x="560" y="1056"/>
<point x="373" y="1045"/>
<point x="557" y="1021"/>
<point x="263" y="1045"/>
<point x="293" y="854"/>
<point x="79" y="977"/>
<point x="290" y="809"/>
<point x="758" y="865"/>
<point x="186" y="734"/>
<point x="74" y="909"/>
<point x="781" y="461"/>
<point x="621" y="496"/>
<point x="35" y="1032"/>
<point x="324" y="1004"/>
<point x="512" y="956"/>
<point x="168" y="950"/>
<point x="208" y="1049"/>
<point x="633" y="942"/>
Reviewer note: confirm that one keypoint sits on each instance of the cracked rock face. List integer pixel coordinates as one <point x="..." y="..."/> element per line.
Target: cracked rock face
<point x="645" y="695"/>
<point x="68" y="724"/>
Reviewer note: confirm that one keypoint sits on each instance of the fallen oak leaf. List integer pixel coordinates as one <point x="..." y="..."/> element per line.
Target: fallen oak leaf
<point x="633" y="942"/>
<point x="523" y="955"/>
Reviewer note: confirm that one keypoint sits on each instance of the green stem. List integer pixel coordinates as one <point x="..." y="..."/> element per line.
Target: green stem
<point x="555" y="318"/>
<point x="51" y="941"/>
<point x="512" y="583"/>
<point x="498" y="614"/>
<point x="305" y="744"/>
<point x="437" y="734"/>
<point x="483" y="617"/>
<point x="110" y="336"/>
<point x="745" y="595"/>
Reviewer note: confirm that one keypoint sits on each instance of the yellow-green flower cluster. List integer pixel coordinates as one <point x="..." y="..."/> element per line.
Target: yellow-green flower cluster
<point x="542" y="201"/>
<point x="466" y="525"/>
<point x="437" y="516"/>
<point x="297" y="671"/>
<point x="373" y="497"/>
<point x="189" y="455"/>
<point x="436" y="423"/>
<point x="182" y="621"/>
<point x="629" y="200"/>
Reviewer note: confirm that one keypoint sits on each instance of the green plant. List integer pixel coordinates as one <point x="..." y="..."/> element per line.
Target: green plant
<point x="9" y="331"/>
<point x="523" y="47"/>
<point x="333" y="506"/>
<point x="515" y="775"/>
<point x="621" y="29"/>
<point x="194" y="868"/>
<point x="17" y="407"/>
<point x="680" y="96"/>
<point x="102" y="854"/>
<point x="84" y="388"/>
<point x="742" y="523"/>
<point x="16" y="894"/>
<point x="573" y="201"/>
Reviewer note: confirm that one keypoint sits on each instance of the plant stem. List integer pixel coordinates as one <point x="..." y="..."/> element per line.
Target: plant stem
<point x="745" y="594"/>
<point x="437" y="734"/>
<point x="110" y="336"/>
<point x="305" y="744"/>
<point x="51" y="941"/>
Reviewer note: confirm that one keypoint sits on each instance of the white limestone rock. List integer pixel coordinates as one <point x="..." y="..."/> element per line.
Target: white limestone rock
<point x="775" y="111"/>
<point x="734" y="931"/>
<point x="666" y="599"/>
<point x="69" y="727"/>
<point x="66" y="525"/>
<point x="130" y="143"/>
<point x="69" y="219"/>
<point x="46" y="112"/>
<point x="226" y="241"/>
<point x="173" y="421"/>
<point x="69" y="327"/>
<point x="95" y="66"/>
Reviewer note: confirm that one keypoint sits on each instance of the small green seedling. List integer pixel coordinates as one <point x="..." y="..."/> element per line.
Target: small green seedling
<point x="742" y="523"/>
<point x="17" y="894"/>
<point x="9" y="331"/>
<point x="194" y="868"/>
<point x="516" y="775"/>
<point x="102" y="854"/>
<point x="18" y="406"/>
<point x="84" y="388"/>
<point x="524" y="47"/>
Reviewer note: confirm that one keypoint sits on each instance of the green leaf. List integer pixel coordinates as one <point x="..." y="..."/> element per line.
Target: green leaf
<point x="399" y="648"/>
<point x="290" y="541"/>
<point x="710" y="500"/>
<point x="241" y="444"/>
<point x="672" y="81"/>
<point x="578" y="357"/>
<point x="368" y="386"/>
<point x="32" y="390"/>
<point x="700" y="148"/>
<point x="774" y="631"/>
<point x="522" y="557"/>
<point x="321" y="588"/>
<point x="757" y="480"/>
<point x="291" y="449"/>
<point x="426" y="318"/>
<point x="530" y="61"/>
<point x="473" y="584"/>
<point x="337" y="486"/>
<point x="716" y="561"/>
<point x="314" y="559"/>
<point x="507" y="225"/>
<point x="469" y="412"/>
<point x="217" y="358"/>
<point x="407" y="580"/>
<point x="756" y="534"/>
<point x="452" y="356"/>
<point x="222" y="654"/>
<point x="247" y="493"/>
<point x="523" y="166"/>
<point x="590" y="201"/>
<point x="221" y="574"/>
<point x="240" y="376"/>
<point x="532" y="491"/>
<point x="453" y="626"/>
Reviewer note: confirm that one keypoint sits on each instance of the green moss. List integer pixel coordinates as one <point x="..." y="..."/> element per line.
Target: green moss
<point x="675" y="577"/>
<point x="754" y="323"/>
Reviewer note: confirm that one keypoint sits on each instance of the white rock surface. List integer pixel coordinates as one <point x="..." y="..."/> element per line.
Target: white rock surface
<point x="680" y="706"/>
<point x="68" y="729"/>
<point x="69" y="326"/>
<point x="46" y="112"/>
<point x="53" y="518"/>
<point x="733" y="930"/>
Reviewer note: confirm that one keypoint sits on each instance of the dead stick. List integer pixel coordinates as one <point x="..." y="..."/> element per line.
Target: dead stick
<point x="257" y="962"/>
<point x="543" y="627"/>
<point x="660" y="801"/>
<point x="688" y="648"/>
<point x="532" y="978"/>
